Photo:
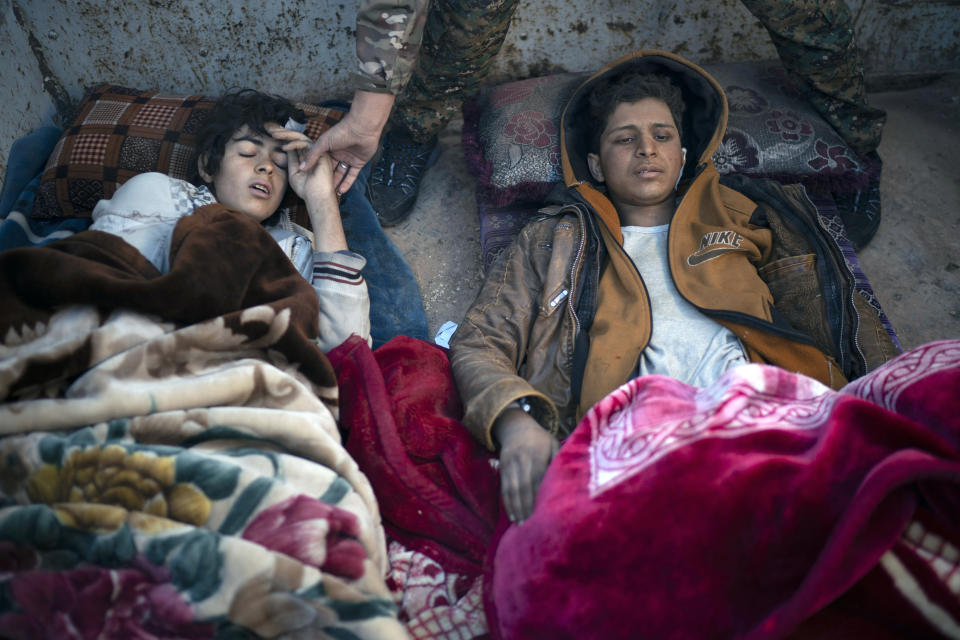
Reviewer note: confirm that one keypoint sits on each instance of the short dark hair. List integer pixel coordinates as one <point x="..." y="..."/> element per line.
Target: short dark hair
<point x="630" y="86"/>
<point x="229" y="114"/>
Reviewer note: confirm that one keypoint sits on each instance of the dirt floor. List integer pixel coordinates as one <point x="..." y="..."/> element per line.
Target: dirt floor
<point x="913" y="262"/>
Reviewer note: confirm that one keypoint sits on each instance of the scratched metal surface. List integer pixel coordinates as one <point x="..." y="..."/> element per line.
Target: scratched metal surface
<point x="51" y="49"/>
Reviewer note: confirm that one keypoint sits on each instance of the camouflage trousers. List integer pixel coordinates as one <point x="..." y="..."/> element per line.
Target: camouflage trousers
<point x="460" y="39"/>
<point x="816" y="44"/>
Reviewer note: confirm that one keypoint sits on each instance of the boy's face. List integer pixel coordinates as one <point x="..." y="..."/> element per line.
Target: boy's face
<point x="253" y="174"/>
<point x="640" y="155"/>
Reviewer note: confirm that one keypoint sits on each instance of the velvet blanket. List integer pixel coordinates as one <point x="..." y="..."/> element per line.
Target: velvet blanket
<point x="764" y="506"/>
<point x="438" y="489"/>
<point x="170" y="462"/>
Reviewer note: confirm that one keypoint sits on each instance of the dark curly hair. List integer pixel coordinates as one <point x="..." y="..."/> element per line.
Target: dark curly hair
<point x="229" y="114"/>
<point x="630" y="87"/>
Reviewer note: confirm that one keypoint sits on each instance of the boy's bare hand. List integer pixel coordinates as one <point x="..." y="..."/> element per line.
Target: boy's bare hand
<point x="314" y="185"/>
<point x="526" y="450"/>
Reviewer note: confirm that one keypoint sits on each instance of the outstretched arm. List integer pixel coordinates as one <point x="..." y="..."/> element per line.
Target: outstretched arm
<point x="389" y="35"/>
<point x="335" y="273"/>
<point x="485" y="355"/>
<point x="354" y="140"/>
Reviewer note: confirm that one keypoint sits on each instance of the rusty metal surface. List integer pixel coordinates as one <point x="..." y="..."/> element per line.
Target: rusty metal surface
<point x="51" y="49"/>
<point x="564" y="36"/>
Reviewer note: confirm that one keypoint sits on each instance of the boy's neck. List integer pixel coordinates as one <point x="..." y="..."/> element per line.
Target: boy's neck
<point x="631" y="216"/>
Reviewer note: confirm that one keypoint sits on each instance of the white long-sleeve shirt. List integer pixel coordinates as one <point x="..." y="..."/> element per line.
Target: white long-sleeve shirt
<point x="146" y="208"/>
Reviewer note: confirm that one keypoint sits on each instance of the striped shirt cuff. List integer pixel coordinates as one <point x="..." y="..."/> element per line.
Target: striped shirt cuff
<point x="343" y="267"/>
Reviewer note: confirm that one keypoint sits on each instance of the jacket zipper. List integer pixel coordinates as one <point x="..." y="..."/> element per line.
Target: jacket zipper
<point x="857" y="351"/>
<point x="629" y="259"/>
<point x="573" y="283"/>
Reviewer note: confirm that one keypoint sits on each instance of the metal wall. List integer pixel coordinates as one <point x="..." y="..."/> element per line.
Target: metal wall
<point x="51" y="49"/>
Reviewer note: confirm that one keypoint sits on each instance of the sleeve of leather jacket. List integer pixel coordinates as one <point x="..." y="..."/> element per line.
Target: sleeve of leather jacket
<point x="488" y="346"/>
<point x="389" y="34"/>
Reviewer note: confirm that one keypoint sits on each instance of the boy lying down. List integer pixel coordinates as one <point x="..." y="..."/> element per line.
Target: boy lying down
<point x="644" y="264"/>
<point x="245" y="161"/>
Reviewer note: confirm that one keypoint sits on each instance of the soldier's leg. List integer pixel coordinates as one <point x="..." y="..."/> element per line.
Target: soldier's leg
<point x="816" y="44"/>
<point x="460" y="39"/>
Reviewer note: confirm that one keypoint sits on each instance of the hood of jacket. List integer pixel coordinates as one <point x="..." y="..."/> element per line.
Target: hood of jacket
<point x="704" y="122"/>
<point x="713" y="248"/>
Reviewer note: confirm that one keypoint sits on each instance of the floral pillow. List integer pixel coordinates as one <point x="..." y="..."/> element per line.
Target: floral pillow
<point x="511" y="135"/>
<point x="773" y="132"/>
<point x="120" y="132"/>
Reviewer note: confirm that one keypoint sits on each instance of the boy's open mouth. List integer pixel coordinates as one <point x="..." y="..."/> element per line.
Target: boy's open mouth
<point x="260" y="188"/>
<point x="647" y="172"/>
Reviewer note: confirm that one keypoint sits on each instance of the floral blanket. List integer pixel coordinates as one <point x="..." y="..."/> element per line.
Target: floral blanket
<point x="763" y="506"/>
<point x="170" y="461"/>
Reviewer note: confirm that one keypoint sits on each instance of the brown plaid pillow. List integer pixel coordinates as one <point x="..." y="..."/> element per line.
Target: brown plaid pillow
<point x="120" y="132"/>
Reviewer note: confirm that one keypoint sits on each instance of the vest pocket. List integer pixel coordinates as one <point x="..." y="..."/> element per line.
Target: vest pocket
<point x="798" y="297"/>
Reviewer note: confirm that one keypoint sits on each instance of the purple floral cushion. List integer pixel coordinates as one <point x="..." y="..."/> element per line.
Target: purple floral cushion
<point x="511" y="135"/>
<point x="772" y="132"/>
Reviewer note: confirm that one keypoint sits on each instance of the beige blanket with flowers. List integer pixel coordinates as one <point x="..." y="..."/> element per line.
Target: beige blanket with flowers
<point x="170" y="461"/>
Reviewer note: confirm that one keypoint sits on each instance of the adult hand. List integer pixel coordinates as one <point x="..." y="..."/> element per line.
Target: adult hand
<point x="526" y="449"/>
<point x="314" y="185"/>
<point x="354" y="140"/>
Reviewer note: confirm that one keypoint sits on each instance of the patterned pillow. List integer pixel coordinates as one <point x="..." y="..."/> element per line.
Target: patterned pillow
<point x="511" y="135"/>
<point x="120" y="132"/>
<point x="773" y="132"/>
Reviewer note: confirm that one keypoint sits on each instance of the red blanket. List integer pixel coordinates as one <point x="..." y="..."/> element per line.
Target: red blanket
<point x="763" y="506"/>
<point x="437" y="488"/>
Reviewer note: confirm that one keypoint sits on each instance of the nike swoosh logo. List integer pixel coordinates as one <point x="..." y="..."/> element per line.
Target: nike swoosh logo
<point x="694" y="259"/>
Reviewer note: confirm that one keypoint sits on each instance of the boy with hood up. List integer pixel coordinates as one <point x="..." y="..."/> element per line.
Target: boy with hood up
<point x="631" y="276"/>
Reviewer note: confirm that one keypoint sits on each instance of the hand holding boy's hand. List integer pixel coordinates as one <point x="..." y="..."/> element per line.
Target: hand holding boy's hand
<point x="354" y="140"/>
<point x="353" y="145"/>
<point x="314" y="185"/>
<point x="526" y="450"/>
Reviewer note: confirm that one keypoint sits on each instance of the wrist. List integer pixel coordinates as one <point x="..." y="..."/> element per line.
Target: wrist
<point x="512" y="421"/>
<point x="371" y="110"/>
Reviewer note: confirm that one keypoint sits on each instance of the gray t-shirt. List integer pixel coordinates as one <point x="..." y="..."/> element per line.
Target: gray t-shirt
<point x="685" y="344"/>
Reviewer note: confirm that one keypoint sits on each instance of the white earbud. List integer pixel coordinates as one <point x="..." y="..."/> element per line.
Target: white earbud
<point x="682" y="165"/>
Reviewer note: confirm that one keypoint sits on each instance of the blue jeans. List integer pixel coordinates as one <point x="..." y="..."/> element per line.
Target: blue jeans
<point x="26" y="159"/>
<point x="396" y="307"/>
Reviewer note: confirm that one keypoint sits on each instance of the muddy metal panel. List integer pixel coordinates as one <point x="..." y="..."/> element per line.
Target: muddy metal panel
<point x="908" y="36"/>
<point x="25" y="104"/>
<point x="289" y="46"/>
<point x="52" y="49"/>
<point x="581" y="36"/>
<point x="896" y="37"/>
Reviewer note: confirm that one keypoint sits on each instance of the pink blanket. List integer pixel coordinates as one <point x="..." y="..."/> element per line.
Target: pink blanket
<point x="763" y="506"/>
